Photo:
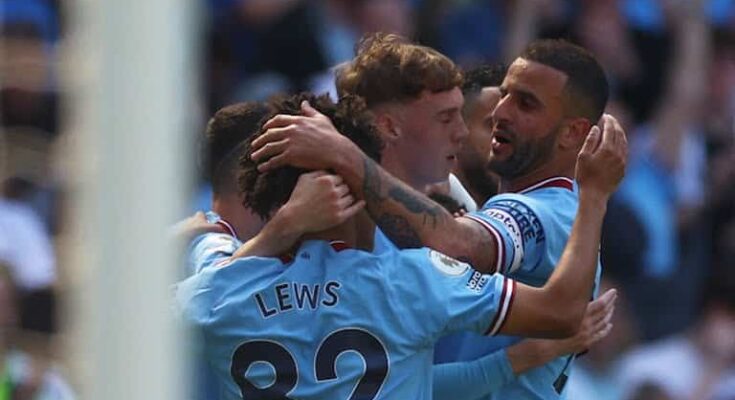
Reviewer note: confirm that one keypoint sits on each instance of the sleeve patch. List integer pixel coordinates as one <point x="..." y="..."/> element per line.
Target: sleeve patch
<point x="447" y="265"/>
<point x="477" y="281"/>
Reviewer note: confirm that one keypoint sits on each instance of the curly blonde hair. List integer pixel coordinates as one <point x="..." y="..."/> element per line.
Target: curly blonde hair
<point x="389" y="68"/>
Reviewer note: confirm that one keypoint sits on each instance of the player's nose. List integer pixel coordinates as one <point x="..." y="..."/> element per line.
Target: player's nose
<point x="461" y="132"/>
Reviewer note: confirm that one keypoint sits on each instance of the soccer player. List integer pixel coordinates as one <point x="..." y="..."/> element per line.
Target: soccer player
<point x="305" y="319"/>
<point x="481" y="94"/>
<point x="552" y="96"/>
<point x="481" y="90"/>
<point x="320" y="199"/>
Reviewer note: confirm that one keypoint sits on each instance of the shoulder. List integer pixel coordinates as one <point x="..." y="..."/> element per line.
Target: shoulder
<point x="516" y="213"/>
<point x="426" y="261"/>
<point x="526" y="203"/>
<point x="212" y="245"/>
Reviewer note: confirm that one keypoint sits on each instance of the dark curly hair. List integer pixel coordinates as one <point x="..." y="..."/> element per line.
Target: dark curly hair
<point x="265" y="192"/>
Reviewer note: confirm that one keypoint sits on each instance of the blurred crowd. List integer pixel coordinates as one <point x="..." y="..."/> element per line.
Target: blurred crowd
<point x="669" y="236"/>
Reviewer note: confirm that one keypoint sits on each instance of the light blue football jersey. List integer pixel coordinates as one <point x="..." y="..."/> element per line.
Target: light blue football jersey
<point x="203" y="251"/>
<point x="206" y="248"/>
<point x="336" y="324"/>
<point x="382" y="243"/>
<point x="532" y="228"/>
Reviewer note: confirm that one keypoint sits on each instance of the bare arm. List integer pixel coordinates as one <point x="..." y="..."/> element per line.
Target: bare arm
<point x="686" y="81"/>
<point x="406" y="216"/>
<point x="532" y="353"/>
<point x="192" y="226"/>
<point x="319" y="201"/>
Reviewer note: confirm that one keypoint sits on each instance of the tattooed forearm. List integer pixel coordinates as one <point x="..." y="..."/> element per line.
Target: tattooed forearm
<point x="417" y="205"/>
<point x="401" y="213"/>
<point x="371" y="183"/>
<point x="410" y="219"/>
<point x="399" y="230"/>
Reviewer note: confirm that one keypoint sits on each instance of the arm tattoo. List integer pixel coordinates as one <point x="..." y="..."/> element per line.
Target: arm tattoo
<point x="397" y="227"/>
<point x="416" y="204"/>
<point x="399" y="231"/>
<point x="371" y="182"/>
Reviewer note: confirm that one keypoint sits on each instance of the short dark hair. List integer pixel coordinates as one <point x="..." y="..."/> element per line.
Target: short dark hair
<point x="587" y="88"/>
<point x="226" y="130"/>
<point x="481" y="77"/>
<point x="265" y="192"/>
<point x="388" y="68"/>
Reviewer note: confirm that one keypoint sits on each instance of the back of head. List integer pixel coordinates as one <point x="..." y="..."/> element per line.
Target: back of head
<point x="389" y="68"/>
<point x="228" y="129"/>
<point x="265" y="192"/>
<point x="587" y="88"/>
<point x="481" y="77"/>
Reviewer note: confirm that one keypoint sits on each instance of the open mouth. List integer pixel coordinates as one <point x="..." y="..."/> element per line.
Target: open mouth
<point x="501" y="139"/>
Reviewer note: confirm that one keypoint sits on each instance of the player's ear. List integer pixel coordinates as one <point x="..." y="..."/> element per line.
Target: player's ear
<point x="388" y="125"/>
<point x="574" y="132"/>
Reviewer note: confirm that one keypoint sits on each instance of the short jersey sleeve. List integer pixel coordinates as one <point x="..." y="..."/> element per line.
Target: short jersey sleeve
<point x="210" y="249"/>
<point x="454" y="296"/>
<point x="515" y="224"/>
<point x="194" y="298"/>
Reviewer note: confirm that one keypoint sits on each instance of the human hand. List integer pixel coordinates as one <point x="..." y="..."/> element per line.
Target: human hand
<point x="308" y="141"/>
<point x="320" y="201"/>
<point x="601" y="162"/>
<point x="596" y="324"/>
<point x="194" y="225"/>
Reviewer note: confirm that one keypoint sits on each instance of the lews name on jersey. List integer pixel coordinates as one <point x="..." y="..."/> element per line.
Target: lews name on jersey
<point x="290" y="296"/>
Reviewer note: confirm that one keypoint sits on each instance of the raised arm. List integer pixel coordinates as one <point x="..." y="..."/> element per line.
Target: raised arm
<point x="319" y="201"/>
<point x="557" y="308"/>
<point x="193" y="226"/>
<point x="406" y="216"/>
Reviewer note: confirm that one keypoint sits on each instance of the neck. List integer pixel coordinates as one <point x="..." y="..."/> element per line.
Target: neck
<point x="229" y="207"/>
<point x="392" y="163"/>
<point x="545" y="171"/>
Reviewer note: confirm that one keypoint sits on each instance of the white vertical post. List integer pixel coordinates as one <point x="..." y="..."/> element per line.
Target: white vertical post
<point x="130" y="76"/>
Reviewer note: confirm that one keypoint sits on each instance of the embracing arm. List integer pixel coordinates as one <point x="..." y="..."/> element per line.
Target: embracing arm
<point x="319" y="201"/>
<point x="406" y="216"/>
<point x="596" y="325"/>
<point x="411" y="219"/>
<point x="470" y="380"/>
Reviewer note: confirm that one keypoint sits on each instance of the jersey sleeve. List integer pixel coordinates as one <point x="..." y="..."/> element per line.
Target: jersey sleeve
<point x="472" y="380"/>
<point x="194" y="298"/>
<point x="454" y="296"/>
<point x="515" y="223"/>
<point x="210" y="249"/>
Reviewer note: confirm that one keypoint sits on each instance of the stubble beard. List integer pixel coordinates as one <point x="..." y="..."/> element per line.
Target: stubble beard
<point x="526" y="157"/>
